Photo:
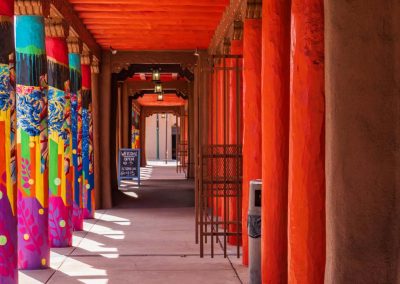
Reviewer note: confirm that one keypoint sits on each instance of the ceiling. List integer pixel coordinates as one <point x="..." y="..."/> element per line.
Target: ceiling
<point x="151" y="25"/>
<point x="168" y="100"/>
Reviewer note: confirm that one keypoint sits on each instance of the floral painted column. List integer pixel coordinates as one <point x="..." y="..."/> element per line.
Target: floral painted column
<point x="74" y="56"/>
<point x="96" y="129"/>
<point x="60" y="136"/>
<point x="87" y="139"/>
<point x="32" y="172"/>
<point x="8" y="186"/>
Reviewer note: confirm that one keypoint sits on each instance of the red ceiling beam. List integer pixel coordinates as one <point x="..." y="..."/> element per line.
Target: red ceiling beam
<point x="120" y="28"/>
<point x="139" y="8"/>
<point x="154" y="21"/>
<point x="222" y="3"/>
<point x="148" y="15"/>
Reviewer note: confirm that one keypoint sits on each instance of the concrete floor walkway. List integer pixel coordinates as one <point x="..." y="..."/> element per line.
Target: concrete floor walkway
<point x="148" y="238"/>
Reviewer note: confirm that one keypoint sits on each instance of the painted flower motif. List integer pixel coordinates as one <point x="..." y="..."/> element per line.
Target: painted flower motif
<point x="30" y="106"/>
<point x="5" y="87"/>
<point x="56" y="101"/>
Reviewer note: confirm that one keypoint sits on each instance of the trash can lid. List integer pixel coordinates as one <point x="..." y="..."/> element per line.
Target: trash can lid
<point x="256" y="181"/>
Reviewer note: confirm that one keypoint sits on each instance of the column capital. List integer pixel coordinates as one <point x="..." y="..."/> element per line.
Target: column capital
<point x="56" y="27"/>
<point x="226" y="45"/>
<point x="254" y="9"/>
<point x="95" y="66"/>
<point x="75" y="45"/>
<point x="5" y="19"/>
<point x="32" y="7"/>
<point x="86" y="57"/>
<point x="237" y="30"/>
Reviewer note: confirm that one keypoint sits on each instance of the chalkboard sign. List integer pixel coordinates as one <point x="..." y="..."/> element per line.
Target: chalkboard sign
<point x="129" y="164"/>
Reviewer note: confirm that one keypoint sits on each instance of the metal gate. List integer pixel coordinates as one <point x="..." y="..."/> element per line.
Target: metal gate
<point x="219" y="188"/>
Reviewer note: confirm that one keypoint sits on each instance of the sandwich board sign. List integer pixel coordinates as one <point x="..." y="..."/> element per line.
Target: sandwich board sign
<point x="129" y="165"/>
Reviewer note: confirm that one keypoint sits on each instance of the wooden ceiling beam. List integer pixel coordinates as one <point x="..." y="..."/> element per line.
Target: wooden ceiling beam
<point x="176" y="22"/>
<point x="221" y="3"/>
<point x="127" y="28"/>
<point x="147" y="15"/>
<point x="71" y="17"/>
<point x="139" y="8"/>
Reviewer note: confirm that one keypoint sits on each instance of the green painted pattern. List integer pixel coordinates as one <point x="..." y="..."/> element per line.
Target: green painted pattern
<point x="30" y="50"/>
<point x="53" y="166"/>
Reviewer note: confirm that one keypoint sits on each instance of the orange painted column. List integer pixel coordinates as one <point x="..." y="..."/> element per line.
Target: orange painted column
<point x="275" y="139"/>
<point x="213" y="122"/>
<point x="307" y="145"/>
<point x="251" y="116"/>
<point x="233" y="131"/>
<point x="236" y="49"/>
<point x="220" y="128"/>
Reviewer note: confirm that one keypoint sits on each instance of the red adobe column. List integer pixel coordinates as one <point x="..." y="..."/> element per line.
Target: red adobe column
<point x="235" y="97"/>
<point x="251" y="112"/>
<point x="220" y="131"/>
<point x="307" y="145"/>
<point x="275" y="138"/>
<point x="236" y="49"/>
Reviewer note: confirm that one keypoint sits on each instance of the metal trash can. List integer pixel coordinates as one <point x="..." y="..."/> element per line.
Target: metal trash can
<point x="254" y="231"/>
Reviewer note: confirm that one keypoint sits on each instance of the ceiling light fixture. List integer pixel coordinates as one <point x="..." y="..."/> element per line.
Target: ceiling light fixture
<point x="156" y="75"/>
<point x="158" y="88"/>
<point x="113" y="51"/>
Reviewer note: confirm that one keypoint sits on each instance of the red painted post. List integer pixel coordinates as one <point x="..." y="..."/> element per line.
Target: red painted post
<point x="307" y="145"/>
<point x="236" y="49"/>
<point x="251" y="116"/>
<point x="234" y="131"/>
<point x="275" y="139"/>
<point x="220" y="131"/>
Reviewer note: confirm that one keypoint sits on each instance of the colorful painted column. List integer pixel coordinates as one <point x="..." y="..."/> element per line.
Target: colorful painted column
<point x="307" y="145"/>
<point x="8" y="179"/>
<point x="31" y="105"/>
<point x="87" y="139"/>
<point x="251" y="110"/>
<point x="60" y="136"/>
<point x="275" y="138"/>
<point x="96" y="128"/>
<point x="74" y="56"/>
<point x="235" y="120"/>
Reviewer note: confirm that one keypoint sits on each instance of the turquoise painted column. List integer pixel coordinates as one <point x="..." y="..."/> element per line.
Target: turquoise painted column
<point x="74" y="56"/>
<point x="32" y="171"/>
<point x="8" y="185"/>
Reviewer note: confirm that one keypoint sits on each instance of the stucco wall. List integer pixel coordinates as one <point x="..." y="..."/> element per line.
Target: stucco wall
<point x="362" y="162"/>
<point x="151" y="136"/>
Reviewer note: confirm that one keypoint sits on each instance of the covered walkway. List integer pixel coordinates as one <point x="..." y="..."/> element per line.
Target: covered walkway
<point x="152" y="244"/>
<point x="301" y="95"/>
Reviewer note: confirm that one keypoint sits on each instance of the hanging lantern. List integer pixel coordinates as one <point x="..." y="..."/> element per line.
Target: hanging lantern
<point x="156" y="75"/>
<point x="158" y="88"/>
<point x="160" y="97"/>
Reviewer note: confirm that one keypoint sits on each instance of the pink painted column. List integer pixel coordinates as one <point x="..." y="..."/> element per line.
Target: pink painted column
<point x="307" y="145"/>
<point x="8" y="185"/>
